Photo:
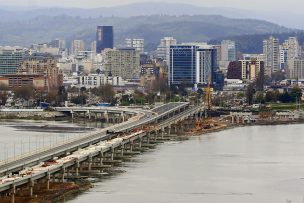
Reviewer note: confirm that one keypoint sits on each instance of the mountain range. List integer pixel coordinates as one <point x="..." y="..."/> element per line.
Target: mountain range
<point x="151" y="21"/>
<point x="285" y="18"/>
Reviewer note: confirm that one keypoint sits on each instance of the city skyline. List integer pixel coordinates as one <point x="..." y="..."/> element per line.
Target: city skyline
<point x="238" y="4"/>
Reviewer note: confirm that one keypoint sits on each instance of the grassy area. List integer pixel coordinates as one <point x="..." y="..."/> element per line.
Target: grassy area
<point x="282" y="106"/>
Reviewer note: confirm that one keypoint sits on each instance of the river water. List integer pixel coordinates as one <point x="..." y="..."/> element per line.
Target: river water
<point x="258" y="164"/>
<point x="21" y="136"/>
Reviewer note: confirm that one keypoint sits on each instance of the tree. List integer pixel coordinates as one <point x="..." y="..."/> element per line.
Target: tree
<point x="3" y="87"/>
<point x="272" y="96"/>
<point x="105" y="92"/>
<point x="249" y="93"/>
<point x="82" y="99"/>
<point x="296" y="94"/>
<point x="259" y="97"/>
<point x="25" y="92"/>
<point x="160" y="84"/>
<point x="278" y="76"/>
<point x="260" y="81"/>
<point x="285" y="97"/>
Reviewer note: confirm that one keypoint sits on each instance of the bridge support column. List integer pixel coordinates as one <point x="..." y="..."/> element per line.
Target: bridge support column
<point x="32" y="188"/>
<point x="123" y="116"/>
<point x="89" y="114"/>
<point x="13" y="192"/>
<point x="48" y="177"/>
<point x="140" y="143"/>
<point x="169" y="130"/>
<point x="106" y="115"/>
<point x="162" y="133"/>
<point x="77" y="168"/>
<point x="90" y="163"/>
<point x="122" y="150"/>
<point x="112" y="153"/>
<point x="62" y="174"/>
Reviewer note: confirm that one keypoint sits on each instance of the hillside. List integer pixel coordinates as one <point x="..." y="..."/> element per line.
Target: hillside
<point x="151" y="28"/>
<point x="252" y="44"/>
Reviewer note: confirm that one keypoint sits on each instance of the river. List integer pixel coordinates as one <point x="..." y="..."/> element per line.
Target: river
<point x="258" y="164"/>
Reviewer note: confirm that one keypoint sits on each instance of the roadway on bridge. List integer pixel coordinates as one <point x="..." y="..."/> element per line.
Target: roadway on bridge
<point x="98" y="135"/>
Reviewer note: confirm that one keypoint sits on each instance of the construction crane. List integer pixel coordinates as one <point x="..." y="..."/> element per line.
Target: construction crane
<point x="208" y="95"/>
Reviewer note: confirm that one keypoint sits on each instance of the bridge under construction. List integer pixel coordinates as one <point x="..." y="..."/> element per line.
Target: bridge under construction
<point x="138" y="130"/>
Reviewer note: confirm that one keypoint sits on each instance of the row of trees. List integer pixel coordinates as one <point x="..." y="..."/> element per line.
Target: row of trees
<point x="275" y="96"/>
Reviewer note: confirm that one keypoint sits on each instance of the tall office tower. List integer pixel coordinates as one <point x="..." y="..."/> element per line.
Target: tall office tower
<point x="123" y="63"/>
<point x="10" y="59"/>
<point x="104" y="38"/>
<point x="77" y="46"/>
<point x="228" y="53"/>
<point x="137" y="44"/>
<point x="163" y="50"/>
<point x="272" y="54"/>
<point x="192" y="64"/>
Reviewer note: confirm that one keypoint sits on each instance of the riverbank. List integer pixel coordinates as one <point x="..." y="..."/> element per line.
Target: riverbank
<point x="56" y="193"/>
<point x="32" y="115"/>
<point x="224" y="126"/>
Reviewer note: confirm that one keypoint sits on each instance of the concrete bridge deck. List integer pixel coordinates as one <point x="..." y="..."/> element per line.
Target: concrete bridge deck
<point x="163" y="116"/>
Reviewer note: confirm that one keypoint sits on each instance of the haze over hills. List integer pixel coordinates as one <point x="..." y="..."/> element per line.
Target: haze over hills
<point x="289" y="19"/>
<point x="25" y="26"/>
<point x="151" y="28"/>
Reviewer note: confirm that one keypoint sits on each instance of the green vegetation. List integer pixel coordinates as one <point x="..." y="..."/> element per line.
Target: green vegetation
<point x="282" y="106"/>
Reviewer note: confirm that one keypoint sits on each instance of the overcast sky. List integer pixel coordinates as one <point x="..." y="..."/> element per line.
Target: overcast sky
<point x="294" y="5"/>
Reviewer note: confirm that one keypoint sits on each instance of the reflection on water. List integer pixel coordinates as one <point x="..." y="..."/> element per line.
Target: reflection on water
<point x="259" y="164"/>
<point x="21" y="136"/>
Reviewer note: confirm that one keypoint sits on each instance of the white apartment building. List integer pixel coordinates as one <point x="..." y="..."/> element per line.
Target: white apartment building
<point x="95" y="80"/>
<point x="163" y="50"/>
<point x="272" y="54"/>
<point x="137" y="44"/>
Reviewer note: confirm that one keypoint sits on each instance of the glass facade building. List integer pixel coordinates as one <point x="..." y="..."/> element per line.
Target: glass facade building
<point x="192" y="64"/>
<point x="182" y="64"/>
<point x="104" y="38"/>
<point x="10" y="60"/>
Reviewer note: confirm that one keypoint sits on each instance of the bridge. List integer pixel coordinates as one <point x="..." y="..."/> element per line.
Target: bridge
<point x="139" y="129"/>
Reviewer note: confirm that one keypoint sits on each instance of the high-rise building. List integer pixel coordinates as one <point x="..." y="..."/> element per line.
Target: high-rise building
<point x="295" y="69"/>
<point x="283" y="57"/>
<point x="228" y="50"/>
<point x="294" y="48"/>
<point x="228" y="53"/>
<point x="123" y="63"/>
<point x="44" y="65"/>
<point x="192" y="64"/>
<point x="104" y="38"/>
<point x="272" y="54"/>
<point x="206" y="65"/>
<point x="93" y="46"/>
<point x="245" y="69"/>
<point x="58" y="43"/>
<point x="163" y="50"/>
<point x="10" y="59"/>
<point x="77" y="46"/>
<point x="137" y="44"/>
